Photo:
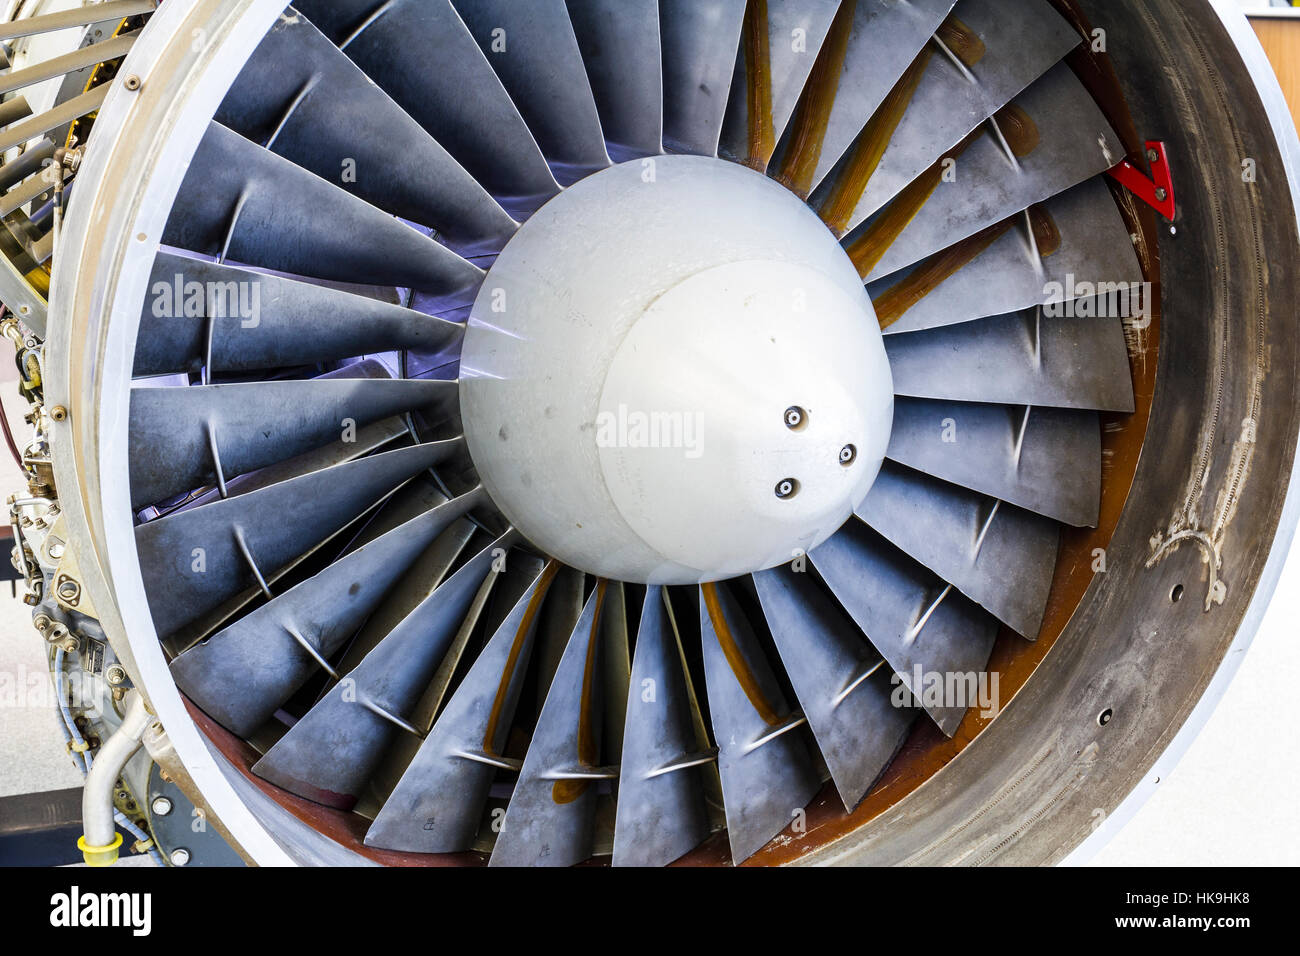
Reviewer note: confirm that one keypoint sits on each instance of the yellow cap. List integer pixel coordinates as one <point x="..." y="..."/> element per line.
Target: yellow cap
<point x="99" y="855"/>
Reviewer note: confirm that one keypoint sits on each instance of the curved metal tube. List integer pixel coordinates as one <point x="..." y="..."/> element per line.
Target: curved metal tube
<point x="100" y="832"/>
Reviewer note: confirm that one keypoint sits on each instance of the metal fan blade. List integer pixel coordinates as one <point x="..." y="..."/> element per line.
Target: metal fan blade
<point x="564" y="605"/>
<point x="1020" y="358"/>
<point x="763" y="759"/>
<point x="330" y="753"/>
<point x="661" y="813"/>
<point x="303" y="99"/>
<point x="243" y="673"/>
<point x="369" y="440"/>
<point x="199" y="558"/>
<point x="1000" y="556"/>
<point x="1045" y="460"/>
<point x="700" y="41"/>
<point x="986" y="52"/>
<point x="242" y="202"/>
<point x="420" y="580"/>
<point x="184" y="438"/>
<point x="79" y="16"/>
<point x="870" y="46"/>
<point x="437" y="805"/>
<point x="779" y="45"/>
<point x="551" y="816"/>
<point x="1051" y="137"/>
<point x="842" y="683"/>
<point x="532" y="48"/>
<point x="619" y="40"/>
<point x="261" y="321"/>
<point x="461" y="103"/>
<point x="925" y="629"/>
<point x="505" y="584"/>
<point x="1071" y="247"/>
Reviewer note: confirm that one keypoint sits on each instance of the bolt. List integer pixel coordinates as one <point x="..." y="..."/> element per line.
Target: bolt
<point x="161" y="806"/>
<point x="795" y="417"/>
<point x="180" y="856"/>
<point x="1153" y="156"/>
<point x="1161" y="194"/>
<point x="848" y="454"/>
<point x="58" y="413"/>
<point x="132" y="82"/>
<point x="115" y="675"/>
<point x="56" y="550"/>
<point x="786" y="488"/>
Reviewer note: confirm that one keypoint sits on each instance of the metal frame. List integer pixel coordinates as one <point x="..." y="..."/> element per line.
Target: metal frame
<point x="1027" y="790"/>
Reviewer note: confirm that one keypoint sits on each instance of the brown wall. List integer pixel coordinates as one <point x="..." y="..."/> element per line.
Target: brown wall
<point x="1281" y="39"/>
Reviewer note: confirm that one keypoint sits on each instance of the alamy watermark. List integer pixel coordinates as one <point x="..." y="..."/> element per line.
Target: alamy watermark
<point x="632" y="428"/>
<point x="1098" y="300"/>
<point x="943" y="689"/>
<point x="211" y="300"/>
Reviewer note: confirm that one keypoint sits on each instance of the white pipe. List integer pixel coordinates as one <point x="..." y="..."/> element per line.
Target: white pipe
<point x="100" y="841"/>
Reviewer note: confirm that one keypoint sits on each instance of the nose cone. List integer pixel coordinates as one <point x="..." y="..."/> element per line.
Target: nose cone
<point x="673" y="374"/>
<point x="745" y="416"/>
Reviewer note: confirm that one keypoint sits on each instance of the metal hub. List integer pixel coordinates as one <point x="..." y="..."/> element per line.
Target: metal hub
<point x="673" y="374"/>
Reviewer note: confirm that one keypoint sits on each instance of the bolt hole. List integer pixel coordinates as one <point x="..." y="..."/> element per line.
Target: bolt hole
<point x="787" y="488"/>
<point x="796" y="419"/>
<point x="1104" y="717"/>
<point x="1176" y="594"/>
<point x="848" y="455"/>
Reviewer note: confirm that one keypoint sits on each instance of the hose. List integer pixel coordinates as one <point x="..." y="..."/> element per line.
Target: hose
<point x="101" y="841"/>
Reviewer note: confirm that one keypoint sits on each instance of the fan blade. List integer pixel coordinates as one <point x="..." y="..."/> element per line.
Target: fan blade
<point x="925" y="630"/>
<point x="986" y="52"/>
<point x="437" y="806"/>
<point x="700" y="41"/>
<point x="369" y="440"/>
<point x="1000" y="556"/>
<point x="661" y="813"/>
<point x="767" y="772"/>
<point x="870" y="46"/>
<point x="264" y="321"/>
<point x="1050" y="138"/>
<point x="197" y="559"/>
<point x="244" y="203"/>
<point x="395" y="43"/>
<point x="303" y="99"/>
<point x="551" y="816"/>
<point x="533" y="50"/>
<point x="619" y="40"/>
<point x="560" y="615"/>
<point x="506" y="583"/>
<point x="616" y="670"/>
<point x="843" y="685"/>
<point x="242" y="674"/>
<point x="1073" y="246"/>
<point x="1021" y="358"/>
<point x="184" y="438"/>
<point x="1043" y="459"/>
<point x="779" y="45"/>
<point x="330" y="753"/>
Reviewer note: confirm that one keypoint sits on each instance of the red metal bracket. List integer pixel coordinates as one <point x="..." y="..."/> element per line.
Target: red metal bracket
<point x="1158" y="191"/>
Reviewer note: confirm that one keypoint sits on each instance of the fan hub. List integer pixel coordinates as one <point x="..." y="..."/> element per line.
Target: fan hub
<point x="673" y="374"/>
